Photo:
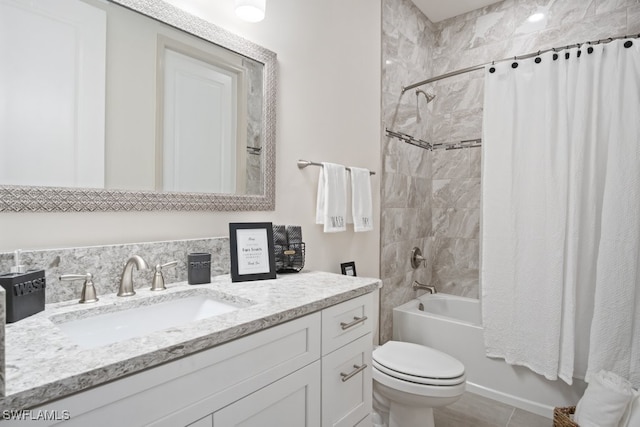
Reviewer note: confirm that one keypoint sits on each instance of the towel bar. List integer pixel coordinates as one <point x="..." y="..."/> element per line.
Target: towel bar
<point x="304" y="163"/>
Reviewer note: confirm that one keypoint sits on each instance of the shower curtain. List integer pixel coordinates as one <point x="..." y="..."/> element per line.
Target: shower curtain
<point x="560" y="272"/>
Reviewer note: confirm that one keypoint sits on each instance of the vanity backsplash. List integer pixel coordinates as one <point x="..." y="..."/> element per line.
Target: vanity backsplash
<point x="106" y="263"/>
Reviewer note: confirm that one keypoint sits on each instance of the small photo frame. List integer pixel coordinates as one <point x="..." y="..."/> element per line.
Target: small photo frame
<point x="251" y="251"/>
<point x="348" y="268"/>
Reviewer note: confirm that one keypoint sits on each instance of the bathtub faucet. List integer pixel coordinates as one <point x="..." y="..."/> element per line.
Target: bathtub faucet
<point x="417" y="285"/>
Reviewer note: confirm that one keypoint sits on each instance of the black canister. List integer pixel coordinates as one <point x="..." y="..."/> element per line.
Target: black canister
<point x="24" y="294"/>
<point x="198" y="268"/>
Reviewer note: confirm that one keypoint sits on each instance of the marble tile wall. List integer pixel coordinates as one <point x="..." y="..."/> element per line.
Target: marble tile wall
<point x="432" y="200"/>
<point x="406" y="178"/>
<point x="106" y="264"/>
<point x="456" y="221"/>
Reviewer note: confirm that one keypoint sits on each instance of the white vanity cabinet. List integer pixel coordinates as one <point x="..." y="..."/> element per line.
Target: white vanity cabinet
<point x="287" y="375"/>
<point x="293" y="401"/>
<point x="346" y="362"/>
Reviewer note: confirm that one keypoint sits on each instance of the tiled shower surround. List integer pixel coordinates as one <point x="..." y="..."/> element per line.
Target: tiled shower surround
<point x="432" y="199"/>
<point x="106" y="263"/>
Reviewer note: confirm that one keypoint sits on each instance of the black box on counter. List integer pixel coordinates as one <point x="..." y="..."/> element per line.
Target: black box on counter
<point x="198" y="268"/>
<point x="24" y="294"/>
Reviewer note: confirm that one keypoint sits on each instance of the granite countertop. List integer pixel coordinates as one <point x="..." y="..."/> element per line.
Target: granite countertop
<point x="43" y="364"/>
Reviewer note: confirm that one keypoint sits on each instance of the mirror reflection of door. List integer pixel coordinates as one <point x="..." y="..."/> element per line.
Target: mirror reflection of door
<point x="52" y="92"/>
<point x="201" y="126"/>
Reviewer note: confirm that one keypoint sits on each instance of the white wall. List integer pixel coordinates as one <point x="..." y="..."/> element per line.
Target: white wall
<point x="328" y="110"/>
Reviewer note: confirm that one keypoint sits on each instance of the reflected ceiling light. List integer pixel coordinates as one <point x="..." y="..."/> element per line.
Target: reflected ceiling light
<point x="536" y="17"/>
<point x="250" y="10"/>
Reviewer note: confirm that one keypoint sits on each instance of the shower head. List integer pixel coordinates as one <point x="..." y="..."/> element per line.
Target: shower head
<point x="430" y="97"/>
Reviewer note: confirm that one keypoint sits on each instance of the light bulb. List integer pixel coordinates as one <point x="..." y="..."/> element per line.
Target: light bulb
<point x="250" y="10"/>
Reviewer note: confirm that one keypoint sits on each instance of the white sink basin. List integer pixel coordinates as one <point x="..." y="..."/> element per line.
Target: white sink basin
<point x="104" y="329"/>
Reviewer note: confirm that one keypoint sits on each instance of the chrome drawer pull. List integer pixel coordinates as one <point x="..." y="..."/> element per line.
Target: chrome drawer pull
<point x="356" y="320"/>
<point x="346" y="377"/>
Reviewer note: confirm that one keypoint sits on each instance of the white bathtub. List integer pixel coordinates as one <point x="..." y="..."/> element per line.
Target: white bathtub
<point x="453" y="324"/>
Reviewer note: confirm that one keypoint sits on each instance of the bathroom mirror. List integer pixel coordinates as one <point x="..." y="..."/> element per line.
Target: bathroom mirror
<point x="129" y="170"/>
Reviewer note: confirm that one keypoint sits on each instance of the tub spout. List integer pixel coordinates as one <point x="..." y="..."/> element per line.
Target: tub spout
<point x="431" y="289"/>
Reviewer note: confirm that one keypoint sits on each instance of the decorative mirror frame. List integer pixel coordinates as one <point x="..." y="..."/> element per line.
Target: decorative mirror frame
<point x="56" y="199"/>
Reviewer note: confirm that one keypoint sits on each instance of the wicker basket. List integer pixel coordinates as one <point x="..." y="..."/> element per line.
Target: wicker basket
<point x="289" y="258"/>
<point x="561" y="417"/>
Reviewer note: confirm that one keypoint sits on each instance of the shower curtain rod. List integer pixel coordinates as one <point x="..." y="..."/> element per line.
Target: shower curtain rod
<point x="514" y="58"/>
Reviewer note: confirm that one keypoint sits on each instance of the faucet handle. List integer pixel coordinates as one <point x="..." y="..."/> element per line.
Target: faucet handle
<point x="417" y="258"/>
<point x="158" y="279"/>
<point x="88" y="293"/>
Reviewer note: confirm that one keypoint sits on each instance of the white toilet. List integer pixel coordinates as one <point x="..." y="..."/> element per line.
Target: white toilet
<point x="409" y="380"/>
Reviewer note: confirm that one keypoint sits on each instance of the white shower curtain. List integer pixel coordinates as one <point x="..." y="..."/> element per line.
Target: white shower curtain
<point x="561" y="212"/>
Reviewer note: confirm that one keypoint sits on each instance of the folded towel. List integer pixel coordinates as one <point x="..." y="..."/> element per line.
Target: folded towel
<point x="631" y="417"/>
<point x="604" y="401"/>
<point x="361" y="200"/>
<point x="332" y="198"/>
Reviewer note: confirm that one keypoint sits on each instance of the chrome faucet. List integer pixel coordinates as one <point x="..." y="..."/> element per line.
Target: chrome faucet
<point x="126" y="280"/>
<point x="417" y="285"/>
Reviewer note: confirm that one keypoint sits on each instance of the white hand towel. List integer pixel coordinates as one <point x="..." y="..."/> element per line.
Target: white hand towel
<point x="361" y="201"/>
<point x="604" y="401"/>
<point x="632" y="415"/>
<point x="331" y="207"/>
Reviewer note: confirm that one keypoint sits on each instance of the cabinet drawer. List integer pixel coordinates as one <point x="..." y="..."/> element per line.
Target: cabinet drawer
<point x="365" y="422"/>
<point x="346" y="384"/>
<point x="251" y="363"/>
<point x="293" y="401"/>
<point x="345" y="322"/>
<point x="203" y="422"/>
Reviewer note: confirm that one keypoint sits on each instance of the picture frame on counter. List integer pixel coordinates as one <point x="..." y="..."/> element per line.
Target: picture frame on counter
<point x="252" y="252"/>
<point x="348" y="268"/>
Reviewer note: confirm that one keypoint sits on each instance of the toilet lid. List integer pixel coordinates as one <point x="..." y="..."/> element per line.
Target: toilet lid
<point x="418" y="363"/>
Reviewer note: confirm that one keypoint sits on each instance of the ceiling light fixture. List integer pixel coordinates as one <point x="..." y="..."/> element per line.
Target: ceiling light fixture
<point x="250" y="10"/>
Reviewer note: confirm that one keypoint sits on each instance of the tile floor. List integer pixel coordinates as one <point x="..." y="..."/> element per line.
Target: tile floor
<point x="473" y="410"/>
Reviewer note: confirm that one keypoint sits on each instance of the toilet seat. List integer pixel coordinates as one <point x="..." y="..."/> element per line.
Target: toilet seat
<point x="429" y="391"/>
<point x="418" y="364"/>
<point x="410" y="380"/>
